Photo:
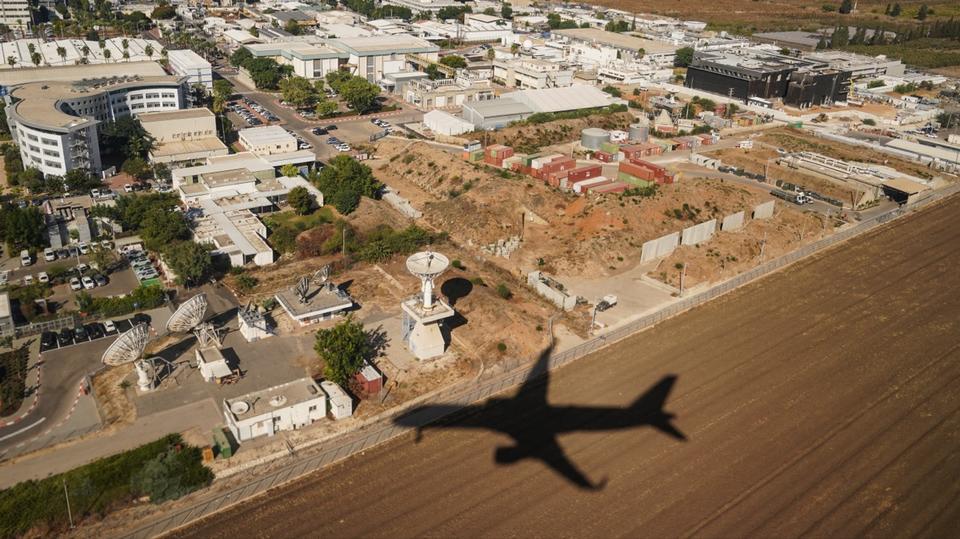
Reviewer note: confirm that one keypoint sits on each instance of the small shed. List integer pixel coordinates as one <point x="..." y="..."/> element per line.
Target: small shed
<point x="341" y="405"/>
<point x="370" y="380"/>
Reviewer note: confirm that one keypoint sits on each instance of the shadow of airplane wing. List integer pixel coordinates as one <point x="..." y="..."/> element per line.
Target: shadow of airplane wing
<point x="550" y="453"/>
<point x="537" y="382"/>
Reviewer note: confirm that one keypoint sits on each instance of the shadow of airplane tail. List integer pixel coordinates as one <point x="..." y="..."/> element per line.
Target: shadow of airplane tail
<point x="649" y="406"/>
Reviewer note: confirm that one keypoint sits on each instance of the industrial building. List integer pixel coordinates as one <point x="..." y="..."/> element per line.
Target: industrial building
<point x="497" y="113"/>
<point x="601" y="46"/>
<point x="444" y="123"/>
<point x="288" y="406"/>
<point x="324" y="303"/>
<point x="750" y="75"/>
<point x="237" y="235"/>
<point x="182" y="136"/>
<point x="532" y="73"/>
<point x="187" y="63"/>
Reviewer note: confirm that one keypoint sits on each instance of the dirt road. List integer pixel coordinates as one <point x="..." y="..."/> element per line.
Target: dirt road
<point x="820" y="401"/>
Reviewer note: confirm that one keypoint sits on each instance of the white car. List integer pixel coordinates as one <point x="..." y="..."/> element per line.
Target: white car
<point x="81" y="267"/>
<point x="49" y="254"/>
<point x="88" y="282"/>
<point x="84" y="248"/>
<point x="95" y="193"/>
<point x="128" y="188"/>
<point x="109" y="327"/>
<point x="28" y="280"/>
<point x="43" y="277"/>
<point x="343" y="148"/>
<point x="75" y="284"/>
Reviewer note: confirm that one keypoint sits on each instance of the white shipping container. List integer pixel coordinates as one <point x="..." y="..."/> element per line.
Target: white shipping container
<point x="582" y="185"/>
<point x="540" y="161"/>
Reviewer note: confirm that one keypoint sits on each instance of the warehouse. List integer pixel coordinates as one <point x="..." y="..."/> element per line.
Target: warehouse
<point x="495" y="113"/>
<point x="444" y="123"/>
<point x="576" y="97"/>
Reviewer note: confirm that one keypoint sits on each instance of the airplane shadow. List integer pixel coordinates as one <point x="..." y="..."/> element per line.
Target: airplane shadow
<point x="534" y="425"/>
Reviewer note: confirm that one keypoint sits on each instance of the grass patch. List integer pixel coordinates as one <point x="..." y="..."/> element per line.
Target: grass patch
<point x="164" y="469"/>
<point x="924" y="52"/>
<point x="283" y="228"/>
<point x="13" y="380"/>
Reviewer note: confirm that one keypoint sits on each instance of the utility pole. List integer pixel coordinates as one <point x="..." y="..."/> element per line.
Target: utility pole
<point x="67" y="496"/>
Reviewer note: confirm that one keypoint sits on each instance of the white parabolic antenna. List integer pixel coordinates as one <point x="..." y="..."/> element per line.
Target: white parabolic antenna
<point x="188" y="315"/>
<point x="427" y="265"/>
<point x="128" y="347"/>
<point x="239" y="407"/>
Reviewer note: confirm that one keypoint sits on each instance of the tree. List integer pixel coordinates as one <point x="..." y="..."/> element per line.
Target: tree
<point x="161" y="229"/>
<point x="506" y="11"/>
<point x="78" y="180"/>
<point x="360" y="94"/>
<point x="454" y="61"/>
<point x="922" y="12"/>
<point x="846" y="6"/>
<point x="137" y="167"/>
<point x="491" y="53"/>
<point x="293" y="27"/>
<point x="12" y="60"/>
<point x="895" y="10"/>
<point x="106" y="53"/>
<point x="36" y="58"/>
<point x="683" y="57"/>
<point x="171" y="474"/>
<point x="840" y="37"/>
<point x="191" y="261"/>
<point x="102" y="258"/>
<point x="163" y="11"/>
<point x="298" y="91"/>
<point x="343" y="349"/>
<point x="301" y="200"/>
<point x="62" y="53"/>
<point x="326" y="108"/>
<point x="222" y="88"/>
<point x="148" y="50"/>
<point x="344" y="180"/>
<point x="822" y="44"/>
<point x="23" y="228"/>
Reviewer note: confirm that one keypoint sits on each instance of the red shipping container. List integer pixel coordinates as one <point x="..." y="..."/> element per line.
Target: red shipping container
<point x="585" y="172"/>
<point x="493" y="160"/>
<point x="606" y="157"/>
<point x="636" y="170"/>
<point x="614" y="187"/>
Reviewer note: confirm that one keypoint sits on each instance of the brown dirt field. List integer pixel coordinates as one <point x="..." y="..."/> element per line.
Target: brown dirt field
<point x="582" y="235"/>
<point x="755" y="161"/>
<point x="806" y="406"/>
<point x="527" y="138"/>
<point x="794" y="140"/>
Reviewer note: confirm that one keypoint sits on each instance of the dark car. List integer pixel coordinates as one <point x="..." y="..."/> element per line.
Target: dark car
<point x="48" y="341"/>
<point x="65" y="337"/>
<point x="80" y="334"/>
<point x="331" y="127"/>
<point x="100" y="280"/>
<point x="95" y="330"/>
<point x="140" y="318"/>
<point x="318" y="131"/>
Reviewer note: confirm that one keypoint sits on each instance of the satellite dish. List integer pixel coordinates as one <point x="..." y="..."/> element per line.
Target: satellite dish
<point x="188" y="315"/>
<point x="527" y="44"/>
<point x="239" y="407"/>
<point x="128" y="347"/>
<point x="278" y="400"/>
<point x="427" y="264"/>
<point x="303" y="288"/>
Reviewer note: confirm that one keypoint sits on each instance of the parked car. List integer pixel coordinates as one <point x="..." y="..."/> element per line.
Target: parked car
<point x="25" y="259"/>
<point x="331" y="127"/>
<point x="74" y="252"/>
<point x="109" y="327"/>
<point x="140" y="318"/>
<point x="318" y="131"/>
<point x="128" y="188"/>
<point x="49" y="254"/>
<point x="43" y="277"/>
<point x="88" y="282"/>
<point x="80" y="334"/>
<point x="82" y="267"/>
<point x="48" y="340"/>
<point x="95" y="330"/>
<point x="65" y="337"/>
<point x="28" y="280"/>
<point x="100" y="280"/>
<point x="63" y="253"/>
<point x="75" y="284"/>
<point x="84" y="248"/>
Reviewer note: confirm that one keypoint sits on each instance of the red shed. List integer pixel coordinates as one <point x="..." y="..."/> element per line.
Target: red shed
<point x="369" y="379"/>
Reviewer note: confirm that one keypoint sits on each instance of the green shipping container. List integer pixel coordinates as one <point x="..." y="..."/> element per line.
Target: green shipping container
<point x="610" y="147"/>
<point x="795" y="125"/>
<point x="633" y="180"/>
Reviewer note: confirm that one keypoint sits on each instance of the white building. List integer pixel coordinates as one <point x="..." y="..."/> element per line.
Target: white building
<point x="68" y="52"/>
<point x="55" y="123"/>
<point x="341" y="405"/>
<point x="236" y="234"/>
<point x="288" y="406"/>
<point x="267" y="140"/>
<point x="375" y="56"/>
<point x="424" y="5"/>
<point x="15" y="13"/>
<point x="444" y="123"/>
<point x="187" y="63"/>
<point x="532" y="73"/>
<point x="181" y="136"/>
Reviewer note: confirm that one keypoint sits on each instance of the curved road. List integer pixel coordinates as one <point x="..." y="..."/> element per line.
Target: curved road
<point x="819" y="401"/>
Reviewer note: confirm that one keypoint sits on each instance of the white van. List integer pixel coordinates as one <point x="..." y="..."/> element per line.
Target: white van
<point x="25" y="259"/>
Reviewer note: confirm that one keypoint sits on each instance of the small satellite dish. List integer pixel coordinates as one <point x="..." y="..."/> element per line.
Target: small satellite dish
<point x="239" y="407"/>
<point x="128" y="347"/>
<point x="303" y="288"/>
<point x="278" y="400"/>
<point x="188" y="315"/>
<point x="527" y="44"/>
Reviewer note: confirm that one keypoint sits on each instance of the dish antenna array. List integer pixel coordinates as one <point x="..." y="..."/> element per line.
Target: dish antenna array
<point x="189" y="318"/>
<point x="319" y="278"/>
<point x="128" y="347"/>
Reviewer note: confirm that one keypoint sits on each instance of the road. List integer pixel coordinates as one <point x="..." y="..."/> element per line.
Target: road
<point x="819" y="401"/>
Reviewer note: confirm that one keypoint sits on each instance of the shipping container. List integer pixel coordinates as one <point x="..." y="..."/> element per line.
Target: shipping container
<point x="633" y="180"/>
<point x="584" y="172"/>
<point x="637" y="170"/>
<point x="369" y="380"/>
<point x="606" y="157"/>
<point x="614" y="187"/>
<point x="580" y="186"/>
<point x="542" y="160"/>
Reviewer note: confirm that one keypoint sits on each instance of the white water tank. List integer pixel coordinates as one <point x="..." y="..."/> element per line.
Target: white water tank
<point x="639" y="132"/>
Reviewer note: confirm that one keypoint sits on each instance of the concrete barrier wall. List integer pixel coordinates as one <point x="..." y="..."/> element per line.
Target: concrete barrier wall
<point x="732" y="222"/>
<point x="763" y="211"/>
<point x="699" y="233"/>
<point x="660" y="247"/>
<point x="557" y="297"/>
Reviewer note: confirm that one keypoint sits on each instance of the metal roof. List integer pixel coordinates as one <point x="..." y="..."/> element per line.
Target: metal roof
<point x="498" y="107"/>
<point x="562" y="99"/>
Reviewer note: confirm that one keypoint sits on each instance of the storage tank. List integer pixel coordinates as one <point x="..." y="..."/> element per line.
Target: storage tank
<point x="639" y="132"/>
<point x="592" y="137"/>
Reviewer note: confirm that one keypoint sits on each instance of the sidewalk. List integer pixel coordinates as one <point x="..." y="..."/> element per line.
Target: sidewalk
<point x="34" y="366"/>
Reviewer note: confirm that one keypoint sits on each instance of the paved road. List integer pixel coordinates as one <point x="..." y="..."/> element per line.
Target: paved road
<point x="819" y="401"/>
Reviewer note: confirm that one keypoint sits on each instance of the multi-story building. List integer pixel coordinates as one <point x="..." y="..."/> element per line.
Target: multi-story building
<point x="187" y="63"/>
<point x="429" y="94"/>
<point x="55" y="123"/>
<point x="15" y="13"/>
<point x="532" y="73"/>
<point x="424" y="6"/>
<point x="751" y="74"/>
<point x="183" y="136"/>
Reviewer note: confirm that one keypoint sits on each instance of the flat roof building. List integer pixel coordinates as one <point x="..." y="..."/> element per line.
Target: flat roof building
<point x="187" y="63"/>
<point x="236" y="234"/>
<point x="288" y="406"/>
<point x="182" y="136"/>
<point x="495" y="113"/>
<point x="267" y="140"/>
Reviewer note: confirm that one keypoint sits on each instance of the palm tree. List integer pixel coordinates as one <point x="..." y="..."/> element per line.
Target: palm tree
<point x="62" y="53"/>
<point x="106" y="54"/>
<point x="31" y="48"/>
<point x="36" y="58"/>
<point x="126" y="55"/>
<point x="12" y="60"/>
<point x="85" y="50"/>
<point x="125" y="44"/>
<point x="148" y="50"/>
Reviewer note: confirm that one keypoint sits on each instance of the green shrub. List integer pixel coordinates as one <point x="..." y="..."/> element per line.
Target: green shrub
<point x="457" y="264"/>
<point x="246" y="283"/>
<point x="501" y="347"/>
<point x="503" y="291"/>
<point x="141" y="298"/>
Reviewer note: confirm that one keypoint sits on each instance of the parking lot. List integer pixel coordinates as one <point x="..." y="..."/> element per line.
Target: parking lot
<point x="66" y="337"/>
<point x="251" y="113"/>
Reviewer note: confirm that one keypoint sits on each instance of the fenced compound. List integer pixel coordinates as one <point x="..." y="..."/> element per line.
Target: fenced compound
<point x="509" y="374"/>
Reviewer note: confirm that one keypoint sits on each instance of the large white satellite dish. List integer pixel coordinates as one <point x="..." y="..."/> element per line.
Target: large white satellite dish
<point x="188" y="315"/>
<point x="128" y="347"/>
